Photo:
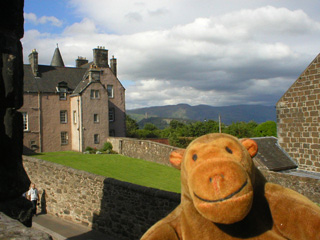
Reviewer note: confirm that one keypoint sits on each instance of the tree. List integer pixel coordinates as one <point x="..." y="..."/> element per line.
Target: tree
<point x="175" y="124"/>
<point x="150" y="127"/>
<point x="131" y="126"/>
<point x="268" y="128"/>
<point x="240" y="130"/>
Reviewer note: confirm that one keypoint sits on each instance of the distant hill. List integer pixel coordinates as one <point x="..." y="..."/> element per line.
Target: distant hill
<point x="229" y="114"/>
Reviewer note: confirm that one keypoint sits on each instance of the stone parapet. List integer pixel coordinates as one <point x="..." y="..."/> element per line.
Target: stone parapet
<point x="12" y="229"/>
<point x="142" y="149"/>
<point x="117" y="208"/>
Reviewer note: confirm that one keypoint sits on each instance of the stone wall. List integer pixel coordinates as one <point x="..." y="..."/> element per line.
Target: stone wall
<point x="117" y="208"/>
<point x="298" y="119"/>
<point x="12" y="229"/>
<point x="308" y="187"/>
<point x="142" y="149"/>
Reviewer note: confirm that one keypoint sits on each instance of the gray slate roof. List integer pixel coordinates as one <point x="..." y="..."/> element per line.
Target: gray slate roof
<point x="50" y="76"/>
<point x="271" y="156"/>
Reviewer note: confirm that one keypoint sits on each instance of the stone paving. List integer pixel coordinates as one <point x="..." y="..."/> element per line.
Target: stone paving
<point x="60" y="229"/>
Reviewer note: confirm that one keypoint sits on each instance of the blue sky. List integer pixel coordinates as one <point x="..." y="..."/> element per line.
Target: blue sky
<point x="184" y="51"/>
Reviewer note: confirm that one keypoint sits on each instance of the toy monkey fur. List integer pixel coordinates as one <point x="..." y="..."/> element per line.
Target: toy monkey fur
<point x="224" y="196"/>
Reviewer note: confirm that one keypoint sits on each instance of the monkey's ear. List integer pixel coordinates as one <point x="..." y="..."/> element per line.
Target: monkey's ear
<point x="250" y="145"/>
<point x="176" y="157"/>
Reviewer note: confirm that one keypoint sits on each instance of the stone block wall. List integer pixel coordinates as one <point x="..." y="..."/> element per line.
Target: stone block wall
<point x="298" y="119"/>
<point x="120" y="209"/>
<point x="142" y="149"/>
<point x="67" y="193"/>
<point x="129" y="210"/>
<point x="309" y="187"/>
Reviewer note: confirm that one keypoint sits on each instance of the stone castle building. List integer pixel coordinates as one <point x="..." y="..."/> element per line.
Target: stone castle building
<point x="298" y="119"/>
<point x="71" y="108"/>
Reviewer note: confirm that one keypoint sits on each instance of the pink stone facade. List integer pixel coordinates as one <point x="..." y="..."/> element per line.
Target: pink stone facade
<point x="90" y="112"/>
<point x="298" y="119"/>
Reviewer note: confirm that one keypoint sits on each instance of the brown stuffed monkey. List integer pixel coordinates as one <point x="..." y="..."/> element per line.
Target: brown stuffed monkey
<point x="223" y="196"/>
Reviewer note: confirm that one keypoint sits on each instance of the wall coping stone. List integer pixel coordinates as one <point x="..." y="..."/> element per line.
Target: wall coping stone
<point x="62" y="167"/>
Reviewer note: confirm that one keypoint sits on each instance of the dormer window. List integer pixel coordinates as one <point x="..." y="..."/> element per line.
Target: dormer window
<point x="62" y="90"/>
<point x="63" y="94"/>
<point x="94" y="75"/>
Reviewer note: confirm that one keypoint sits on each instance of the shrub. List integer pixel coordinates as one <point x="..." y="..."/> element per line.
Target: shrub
<point x="90" y="150"/>
<point x="107" y="147"/>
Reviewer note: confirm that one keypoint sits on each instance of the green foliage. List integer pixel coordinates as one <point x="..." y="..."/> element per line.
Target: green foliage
<point x="131" y="126"/>
<point x="180" y="134"/>
<point x="150" y="127"/>
<point x="107" y="146"/>
<point x="181" y="142"/>
<point x="175" y="124"/>
<point x="90" y="150"/>
<point x="119" y="167"/>
<point x="241" y="129"/>
<point x="265" y="129"/>
<point x="160" y="123"/>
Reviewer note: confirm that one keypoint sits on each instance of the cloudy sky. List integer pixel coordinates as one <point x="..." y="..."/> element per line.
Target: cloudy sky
<point x="210" y="52"/>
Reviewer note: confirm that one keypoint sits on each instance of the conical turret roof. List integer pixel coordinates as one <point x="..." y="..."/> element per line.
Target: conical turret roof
<point x="57" y="60"/>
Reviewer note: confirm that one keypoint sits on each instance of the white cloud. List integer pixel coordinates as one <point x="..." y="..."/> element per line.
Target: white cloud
<point x="31" y="17"/>
<point x="244" y="56"/>
<point x="85" y="27"/>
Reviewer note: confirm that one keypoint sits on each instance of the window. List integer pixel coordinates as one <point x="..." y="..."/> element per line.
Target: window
<point x="62" y="93"/>
<point x="94" y="94"/>
<point x="64" y="138"/>
<point x="110" y="91"/>
<point x="111" y="115"/>
<point x="112" y="133"/>
<point x="63" y="116"/>
<point x="95" y="76"/>
<point x="25" y="121"/>
<point x="33" y="145"/>
<point x="74" y="117"/>
<point x="96" y="118"/>
<point x="96" y="138"/>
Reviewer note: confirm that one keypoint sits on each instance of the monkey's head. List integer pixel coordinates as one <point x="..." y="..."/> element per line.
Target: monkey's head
<point x="217" y="174"/>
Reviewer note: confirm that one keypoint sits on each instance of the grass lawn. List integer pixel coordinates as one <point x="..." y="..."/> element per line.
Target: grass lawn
<point x="120" y="167"/>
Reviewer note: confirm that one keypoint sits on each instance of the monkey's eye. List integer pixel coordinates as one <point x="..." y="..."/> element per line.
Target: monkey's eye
<point x="194" y="157"/>
<point x="228" y="150"/>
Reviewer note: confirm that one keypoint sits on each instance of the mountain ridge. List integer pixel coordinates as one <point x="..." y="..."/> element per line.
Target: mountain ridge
<point x="228" y="114"/>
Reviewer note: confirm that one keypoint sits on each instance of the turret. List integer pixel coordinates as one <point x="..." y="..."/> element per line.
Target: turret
<point x="57" y="58"/>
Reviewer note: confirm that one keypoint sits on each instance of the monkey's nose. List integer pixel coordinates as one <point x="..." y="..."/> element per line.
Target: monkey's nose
<point x="215" y="180"/>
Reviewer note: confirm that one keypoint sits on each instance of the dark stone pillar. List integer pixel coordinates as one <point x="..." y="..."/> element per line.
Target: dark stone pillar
<point x="13" y="178"/>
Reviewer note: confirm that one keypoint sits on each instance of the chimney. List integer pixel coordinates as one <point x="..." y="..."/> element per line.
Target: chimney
<point x="100" y="57"/>
<point x="81" y="61"/>
<point x="33" y="60"/>
<point x="113" y="63"/>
